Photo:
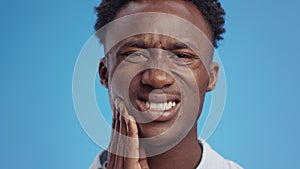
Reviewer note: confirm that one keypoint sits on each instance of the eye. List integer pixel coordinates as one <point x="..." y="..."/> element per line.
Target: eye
<point x="183" y="58"/>
<point x="182" y="55"/>
<point x="135" y="56"/>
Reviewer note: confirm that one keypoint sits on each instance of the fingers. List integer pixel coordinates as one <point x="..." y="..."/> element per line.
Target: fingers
<point x="124" y="146"/>
<point x="113" y="141"/>
<point x="119" y="136"/>
<point x="132" y="150"/>
<point x="122" y="136"/>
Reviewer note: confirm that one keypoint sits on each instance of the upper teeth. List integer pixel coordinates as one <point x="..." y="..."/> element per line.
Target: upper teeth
<point x="160" y="106"/>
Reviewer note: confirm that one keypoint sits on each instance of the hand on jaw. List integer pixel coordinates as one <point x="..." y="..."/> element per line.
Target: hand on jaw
<point x="124" y="149"/>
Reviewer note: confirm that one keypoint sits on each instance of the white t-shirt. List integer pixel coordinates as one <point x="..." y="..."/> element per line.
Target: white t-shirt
<point x="210" y="160"/>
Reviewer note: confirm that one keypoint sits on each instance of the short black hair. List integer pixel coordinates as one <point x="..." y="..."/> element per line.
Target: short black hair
<point x="211" y="10"/>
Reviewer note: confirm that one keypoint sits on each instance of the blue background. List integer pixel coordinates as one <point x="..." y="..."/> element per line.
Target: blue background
<point x="40" y="42"/>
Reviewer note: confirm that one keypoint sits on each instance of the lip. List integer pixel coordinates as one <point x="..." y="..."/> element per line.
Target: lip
<point x="159" y="115"/>
<point x="159" y="97"/>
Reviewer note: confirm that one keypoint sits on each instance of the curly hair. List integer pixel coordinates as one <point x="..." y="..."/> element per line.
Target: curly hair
<point x="211" y="10"/>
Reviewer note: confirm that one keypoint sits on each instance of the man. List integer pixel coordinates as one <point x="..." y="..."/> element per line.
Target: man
<point x="158" y="67"/>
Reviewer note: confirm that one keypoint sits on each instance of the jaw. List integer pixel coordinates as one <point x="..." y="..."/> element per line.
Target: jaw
<point x="156" y="139"/>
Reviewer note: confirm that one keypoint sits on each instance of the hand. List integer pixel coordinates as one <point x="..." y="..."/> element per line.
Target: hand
<point x="124" y="149"/>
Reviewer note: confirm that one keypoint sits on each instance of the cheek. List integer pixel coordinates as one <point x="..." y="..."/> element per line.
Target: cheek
<point x="201" y="77"/>
<point x="125" y="79"/>
<point x="134" y="87"/>
<point x="121" y="74"/>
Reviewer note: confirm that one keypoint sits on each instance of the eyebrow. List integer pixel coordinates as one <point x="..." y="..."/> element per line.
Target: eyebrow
<point x="135" y="43"/>
<point x="138" y="43"/>
<point x="179" y="45"/>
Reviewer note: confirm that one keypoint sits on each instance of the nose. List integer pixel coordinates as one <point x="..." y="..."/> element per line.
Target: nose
<point x="157" y="78"/>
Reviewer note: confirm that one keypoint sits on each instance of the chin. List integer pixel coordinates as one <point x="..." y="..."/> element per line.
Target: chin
<point x="163" y="134"/>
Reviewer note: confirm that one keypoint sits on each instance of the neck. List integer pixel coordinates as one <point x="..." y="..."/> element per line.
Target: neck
<point x="186" y="154"/>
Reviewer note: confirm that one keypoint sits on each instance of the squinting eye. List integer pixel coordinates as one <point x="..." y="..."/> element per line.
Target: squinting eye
<point x="137" y="54"/>
<point x="135" y="57"/>
<point x="133" y="54"/>
<point x="180" y="55"/>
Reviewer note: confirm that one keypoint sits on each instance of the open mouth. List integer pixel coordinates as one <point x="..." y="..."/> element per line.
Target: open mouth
<point x="158" y="110"/>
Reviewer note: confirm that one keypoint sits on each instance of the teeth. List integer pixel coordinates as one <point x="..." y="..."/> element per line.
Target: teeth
<point x="147" y="104"/>
<point x="160" y="106"/>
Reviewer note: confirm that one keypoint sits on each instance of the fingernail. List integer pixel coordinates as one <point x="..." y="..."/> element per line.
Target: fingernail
<point x="116" y="104"/>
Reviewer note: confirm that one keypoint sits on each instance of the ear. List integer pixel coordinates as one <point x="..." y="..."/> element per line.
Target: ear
<point x="103" y="74"/>
<point x="213" y="71"/>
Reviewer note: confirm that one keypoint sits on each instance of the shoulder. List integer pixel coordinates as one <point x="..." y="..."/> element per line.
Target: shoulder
<point x="100" y="160"/>
<point x="212" y="160"/>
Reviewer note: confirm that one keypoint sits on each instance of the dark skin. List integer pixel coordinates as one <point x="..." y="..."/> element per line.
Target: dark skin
<point x="187" y="153"/>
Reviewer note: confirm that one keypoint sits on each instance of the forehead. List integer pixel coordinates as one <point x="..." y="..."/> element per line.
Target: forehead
<point x="183" y="9"/>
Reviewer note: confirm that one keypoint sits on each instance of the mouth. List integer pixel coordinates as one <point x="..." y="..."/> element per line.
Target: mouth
<point x="158" y="109"/>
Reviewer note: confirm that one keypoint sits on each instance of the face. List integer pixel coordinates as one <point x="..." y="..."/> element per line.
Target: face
<point x="167" y="79"/>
